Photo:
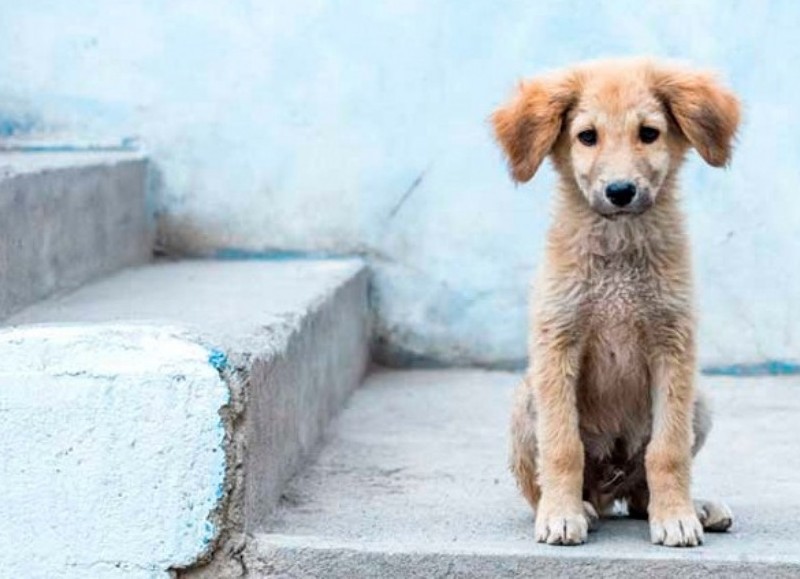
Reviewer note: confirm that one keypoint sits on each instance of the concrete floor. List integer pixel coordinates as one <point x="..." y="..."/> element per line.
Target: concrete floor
<point x="413" y="482"/>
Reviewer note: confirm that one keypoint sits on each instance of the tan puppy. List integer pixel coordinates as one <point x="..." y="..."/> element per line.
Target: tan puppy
<point x="608" y="409"/>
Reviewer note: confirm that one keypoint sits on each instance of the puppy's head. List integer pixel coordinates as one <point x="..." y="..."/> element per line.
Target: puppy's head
<point x="617" y="129"/>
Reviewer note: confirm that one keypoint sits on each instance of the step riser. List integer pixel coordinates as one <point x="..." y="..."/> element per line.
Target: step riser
<point x="61" y="226"/>
<point x="295" y="393"/>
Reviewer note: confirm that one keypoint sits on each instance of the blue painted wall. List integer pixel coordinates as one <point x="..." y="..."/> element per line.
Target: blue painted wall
<point x="360" y="127"/>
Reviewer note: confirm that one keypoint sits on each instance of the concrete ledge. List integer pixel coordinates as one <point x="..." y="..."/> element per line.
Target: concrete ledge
<point x="68" y="218"/>
<point x="414" y="483"/>
<point x="290" y="342"/>
<point x="288" y="557"/>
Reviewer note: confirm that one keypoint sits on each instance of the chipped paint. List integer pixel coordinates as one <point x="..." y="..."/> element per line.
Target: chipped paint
<point x="218" y="359"/>
<point x="766" y="368"/>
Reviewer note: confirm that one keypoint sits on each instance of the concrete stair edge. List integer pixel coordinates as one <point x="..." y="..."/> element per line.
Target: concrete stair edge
<point x="67" y="219"/>
<point x="270" y="555"/>
<point x="287" y="315"/>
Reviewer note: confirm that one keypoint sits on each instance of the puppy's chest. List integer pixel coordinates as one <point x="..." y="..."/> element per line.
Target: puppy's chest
<point x="621" y="295"/>
<point x="621" y="305"/>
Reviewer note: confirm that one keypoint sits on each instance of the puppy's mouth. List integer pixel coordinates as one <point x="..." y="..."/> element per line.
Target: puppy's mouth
<point x="614" y="215"/>
<point x="641" y="204"/>
<point x="617" y="215"/>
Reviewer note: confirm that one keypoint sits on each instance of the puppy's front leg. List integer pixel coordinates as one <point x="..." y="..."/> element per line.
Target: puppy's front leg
<point x="560" y="515"/>
<point x="673" y="520"/>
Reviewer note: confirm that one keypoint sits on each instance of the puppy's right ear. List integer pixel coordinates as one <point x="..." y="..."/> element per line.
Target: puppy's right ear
<point x="529" y="125"/>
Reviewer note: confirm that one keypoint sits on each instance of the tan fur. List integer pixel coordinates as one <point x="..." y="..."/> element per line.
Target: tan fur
<point x="608" y="408"/>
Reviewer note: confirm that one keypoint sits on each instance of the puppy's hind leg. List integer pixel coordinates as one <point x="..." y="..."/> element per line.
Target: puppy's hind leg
<point x="523" y="445"/>
<point x="701" y="421"/>
<point x="715" y="517"/>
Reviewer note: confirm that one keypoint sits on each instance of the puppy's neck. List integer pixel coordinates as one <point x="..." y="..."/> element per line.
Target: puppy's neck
<point x="582" y="232"/>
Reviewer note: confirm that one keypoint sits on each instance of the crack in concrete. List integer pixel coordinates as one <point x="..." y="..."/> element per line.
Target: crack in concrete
<point x="408" y="192"/>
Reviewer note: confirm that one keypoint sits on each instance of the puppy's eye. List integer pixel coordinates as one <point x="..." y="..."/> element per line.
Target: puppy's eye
<point x="588" y="137"/>
<point x="648" y="135"/>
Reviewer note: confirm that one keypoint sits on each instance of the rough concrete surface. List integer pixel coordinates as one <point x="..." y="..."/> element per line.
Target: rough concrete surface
<point x="68" y="218"/>
<point x="112" y="451"/>
<point x="291" y="341"/>
<point x="413" y="483"/>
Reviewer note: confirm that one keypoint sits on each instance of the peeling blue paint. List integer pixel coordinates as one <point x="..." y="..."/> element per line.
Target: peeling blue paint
<point x="766" y="368"/>
<point x="209" y="532"/>
<point x="12" y="126"/>
<point x="218" y="359"/>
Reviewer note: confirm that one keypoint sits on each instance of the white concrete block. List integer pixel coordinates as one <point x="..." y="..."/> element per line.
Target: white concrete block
<point x="112" y="449"/>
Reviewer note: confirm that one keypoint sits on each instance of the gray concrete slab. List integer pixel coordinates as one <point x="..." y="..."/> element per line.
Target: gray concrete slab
<point x="238" y="304"/>
<point x="413" y="483"/>
<point x="69" y="218"/>
<point x="290" y="338"/>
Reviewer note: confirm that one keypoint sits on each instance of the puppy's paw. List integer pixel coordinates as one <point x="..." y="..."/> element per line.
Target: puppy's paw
<point x="715" y="517"/>
<point x="676" y="530"/>
<point x="561" y="526"/>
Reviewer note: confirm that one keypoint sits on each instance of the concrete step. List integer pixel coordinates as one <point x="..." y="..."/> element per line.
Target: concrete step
<point x="413" y="483"/>
<point x="67" y="218"/>
<point x="152" y="418"/>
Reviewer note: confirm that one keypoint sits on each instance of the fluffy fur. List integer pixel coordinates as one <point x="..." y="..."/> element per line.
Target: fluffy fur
<point x="608" y="409"/>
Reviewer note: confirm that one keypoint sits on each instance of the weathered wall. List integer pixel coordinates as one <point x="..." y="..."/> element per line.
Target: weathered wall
<point x="359" y="127"/>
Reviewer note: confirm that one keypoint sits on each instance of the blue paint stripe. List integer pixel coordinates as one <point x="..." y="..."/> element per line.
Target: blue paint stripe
<point x="766" y="368"/>
<point x="237" y="254"/>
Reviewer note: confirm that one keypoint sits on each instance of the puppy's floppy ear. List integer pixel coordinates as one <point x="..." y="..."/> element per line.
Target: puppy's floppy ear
<point x="529" y="125"/>
<point x="706" y="112"/>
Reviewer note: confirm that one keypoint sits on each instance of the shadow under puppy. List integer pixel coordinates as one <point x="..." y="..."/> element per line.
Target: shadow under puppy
<point x="608" y="409"/>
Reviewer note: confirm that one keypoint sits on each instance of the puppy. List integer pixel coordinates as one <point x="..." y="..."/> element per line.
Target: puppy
<point x="608" y="409"/>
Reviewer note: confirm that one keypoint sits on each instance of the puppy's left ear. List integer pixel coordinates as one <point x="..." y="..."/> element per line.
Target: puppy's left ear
<point x="707" y="113"/>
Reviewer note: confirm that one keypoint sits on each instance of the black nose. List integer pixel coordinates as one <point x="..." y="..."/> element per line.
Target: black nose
<point x="620" y="193"/>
